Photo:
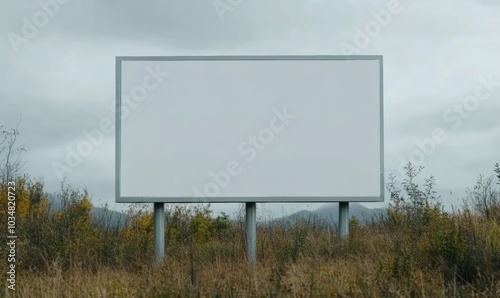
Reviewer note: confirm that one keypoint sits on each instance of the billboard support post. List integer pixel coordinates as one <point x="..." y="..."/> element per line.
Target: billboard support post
<point x="251" y="231"/>
<point x="159" y="231"/>
<point x="343" y="219"/>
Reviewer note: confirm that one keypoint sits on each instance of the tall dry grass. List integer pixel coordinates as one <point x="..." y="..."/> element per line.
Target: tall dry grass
<point x="415" y="250"/>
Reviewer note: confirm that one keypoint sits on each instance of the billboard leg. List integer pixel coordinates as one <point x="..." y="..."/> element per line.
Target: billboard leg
<point x="251" y="231"/>
<point x="159" y="231"/>
<point x="343" y="219"/>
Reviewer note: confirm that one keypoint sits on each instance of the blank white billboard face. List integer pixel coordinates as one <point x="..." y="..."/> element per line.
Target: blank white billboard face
<point x="243" y="129"/>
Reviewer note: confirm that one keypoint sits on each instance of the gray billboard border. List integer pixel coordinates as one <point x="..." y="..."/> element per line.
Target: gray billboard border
<point x="263" y="199"/>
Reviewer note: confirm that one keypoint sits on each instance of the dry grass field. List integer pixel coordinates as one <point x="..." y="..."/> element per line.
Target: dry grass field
<point x="416" y="250"/>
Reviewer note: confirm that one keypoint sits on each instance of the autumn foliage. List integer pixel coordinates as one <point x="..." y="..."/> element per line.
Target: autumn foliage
<point x="416" y="249"/>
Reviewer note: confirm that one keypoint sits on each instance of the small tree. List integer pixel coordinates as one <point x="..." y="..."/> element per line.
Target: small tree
<point x="485" y="195"/>
<point x="11" y="162"/>
<point x="497" y="171"/>
<point x="411" y="205"/>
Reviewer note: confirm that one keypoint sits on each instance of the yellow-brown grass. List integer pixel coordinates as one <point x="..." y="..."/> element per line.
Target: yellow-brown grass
<point x="415" y="251"/>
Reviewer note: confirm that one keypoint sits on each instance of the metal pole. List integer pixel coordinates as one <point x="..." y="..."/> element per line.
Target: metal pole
<point x="159" y="231"/>
<point x="343" y="219"/>
<point x="251" y="229"/>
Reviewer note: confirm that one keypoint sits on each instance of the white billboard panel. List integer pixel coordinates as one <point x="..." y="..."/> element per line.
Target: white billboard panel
<point x="249" y="129"/>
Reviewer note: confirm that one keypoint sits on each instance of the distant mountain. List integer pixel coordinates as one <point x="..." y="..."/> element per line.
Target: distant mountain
<point x="108" y="218"/>
<point x="329" y="213"/>
<point x="102" y="216"/>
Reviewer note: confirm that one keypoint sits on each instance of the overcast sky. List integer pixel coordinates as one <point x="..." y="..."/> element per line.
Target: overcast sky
<point x="441" y="72"/>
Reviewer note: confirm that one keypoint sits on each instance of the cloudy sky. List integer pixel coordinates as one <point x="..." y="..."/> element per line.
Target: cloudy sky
<point x="441" y="73"/>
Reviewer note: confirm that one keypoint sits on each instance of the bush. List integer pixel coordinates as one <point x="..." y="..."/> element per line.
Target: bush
<point x="485" y="197"/>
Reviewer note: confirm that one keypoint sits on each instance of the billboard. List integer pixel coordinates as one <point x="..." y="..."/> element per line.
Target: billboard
<point x="249" y="129"/>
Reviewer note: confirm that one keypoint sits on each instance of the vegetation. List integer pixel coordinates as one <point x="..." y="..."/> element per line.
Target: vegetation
<point x="417" y="249"/>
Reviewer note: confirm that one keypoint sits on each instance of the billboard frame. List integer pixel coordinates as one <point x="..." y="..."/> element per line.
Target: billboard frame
<point x="260" y="199"/>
